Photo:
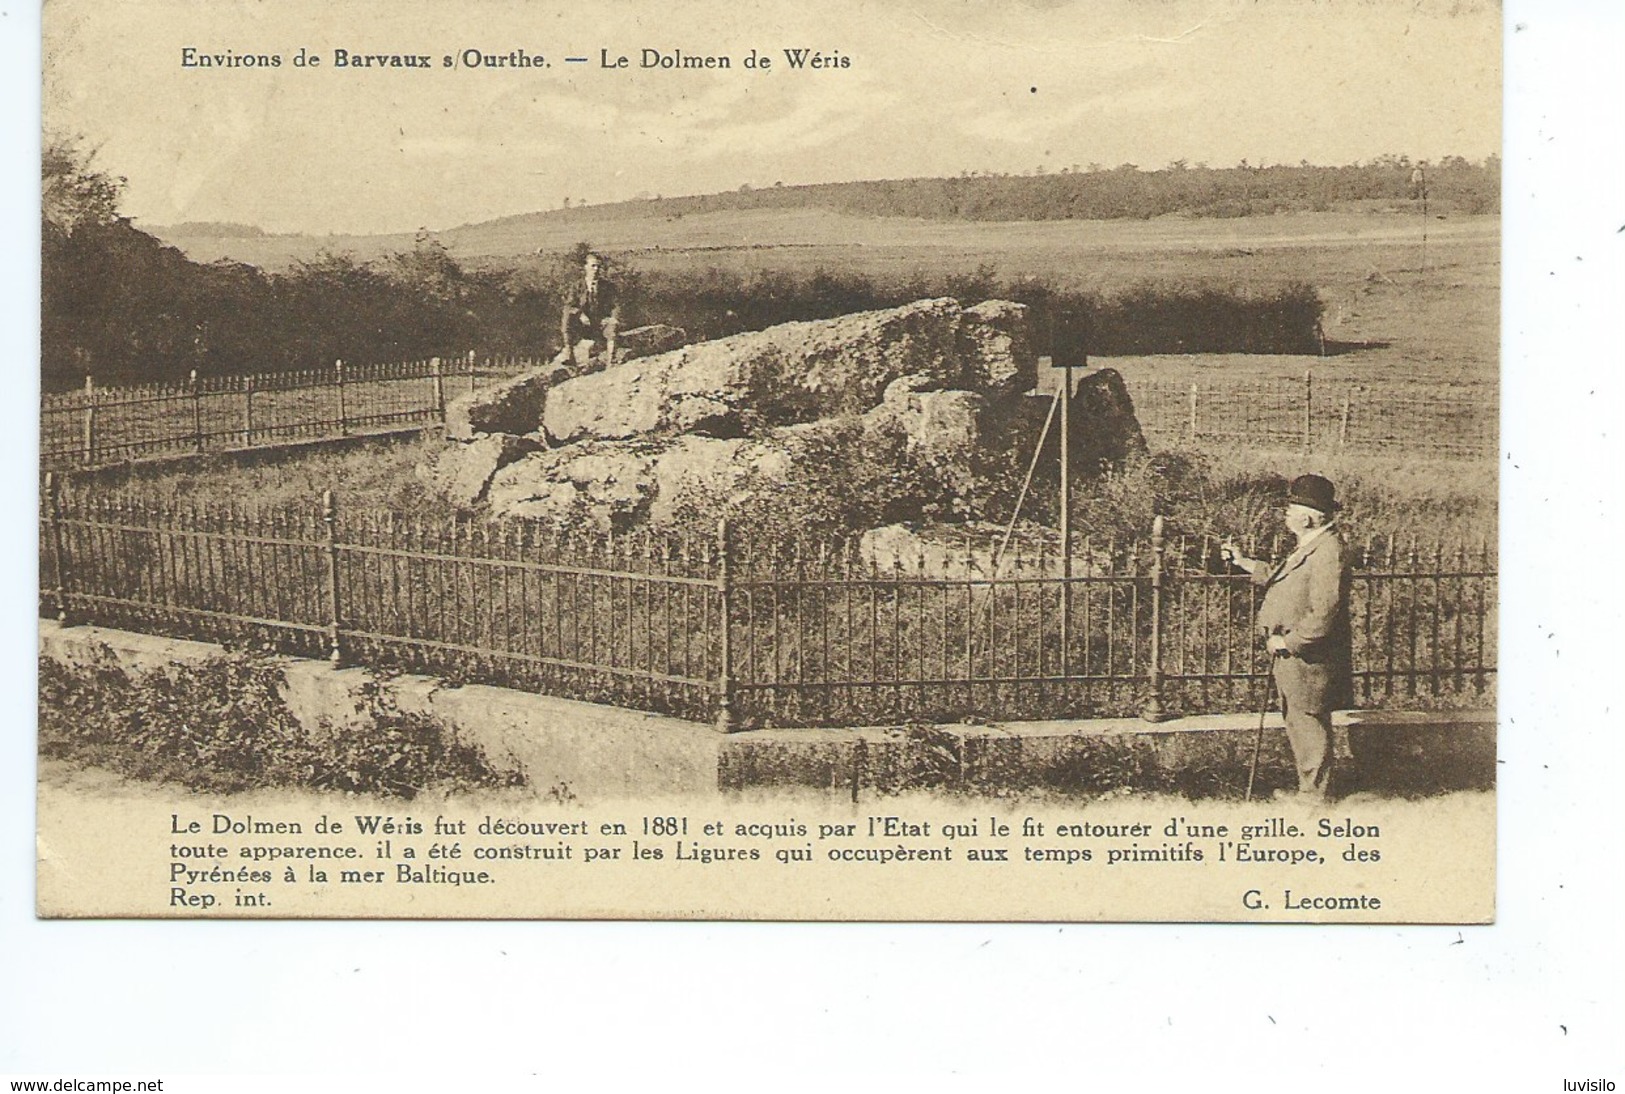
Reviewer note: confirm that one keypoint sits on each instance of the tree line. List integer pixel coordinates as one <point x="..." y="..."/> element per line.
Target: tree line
<point x="1453" y="184"/>
<point x="119" y="305"/>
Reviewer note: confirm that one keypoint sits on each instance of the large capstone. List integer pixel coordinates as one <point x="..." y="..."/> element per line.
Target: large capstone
<point x="794" y="372"/>
<point x="913" y="414"/>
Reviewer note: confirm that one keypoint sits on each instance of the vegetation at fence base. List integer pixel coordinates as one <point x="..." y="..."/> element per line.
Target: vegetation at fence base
<point x="1200" y="493"/>
<point x="920" y="756"/>
<point x="402" y="752"/>
<point x="223" y="726"/>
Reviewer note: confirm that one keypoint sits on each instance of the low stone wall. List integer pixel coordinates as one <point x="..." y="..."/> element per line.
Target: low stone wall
<point x="598" y="751"/>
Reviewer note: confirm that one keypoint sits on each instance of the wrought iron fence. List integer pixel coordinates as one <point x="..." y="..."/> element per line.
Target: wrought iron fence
<point x="98" y="426"/>
<point x="753" y="634"/>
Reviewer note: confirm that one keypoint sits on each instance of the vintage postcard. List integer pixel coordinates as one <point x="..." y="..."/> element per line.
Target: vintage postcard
<point x="930" y="461"/>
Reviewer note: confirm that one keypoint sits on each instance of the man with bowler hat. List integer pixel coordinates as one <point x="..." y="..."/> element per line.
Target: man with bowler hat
<point x="1304" y="623"/>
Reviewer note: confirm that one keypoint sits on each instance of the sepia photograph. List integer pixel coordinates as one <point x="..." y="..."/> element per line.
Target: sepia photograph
<point x="693" y="464"/>
<point x="572" y="545"/>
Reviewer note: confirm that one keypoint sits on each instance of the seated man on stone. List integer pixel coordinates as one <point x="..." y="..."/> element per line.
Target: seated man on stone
<point x="590" y="317"/>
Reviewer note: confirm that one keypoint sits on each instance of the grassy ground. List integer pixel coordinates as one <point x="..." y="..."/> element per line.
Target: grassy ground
<point x="375" y="472"/>
<point x="1421" y="313"/>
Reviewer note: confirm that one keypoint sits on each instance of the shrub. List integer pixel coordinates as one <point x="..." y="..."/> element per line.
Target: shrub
<point x="223" y="726"/>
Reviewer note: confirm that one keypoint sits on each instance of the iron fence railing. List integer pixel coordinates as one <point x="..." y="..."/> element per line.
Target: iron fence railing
<point x="99" y="426"/>
<point x="747" y="633"/>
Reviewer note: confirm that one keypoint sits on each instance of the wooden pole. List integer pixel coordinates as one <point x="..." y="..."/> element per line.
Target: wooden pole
<point x="331" y="558"/>
<point x="1423" y="173"/>
<point x="197" y="413"/>
<point x="727" y="721"/>
<point x="1308" y="409"/>
<point x="90" y="419"/>
<point x="439" y="388"/>
<point x="248" y="411"/>
<point x="338" y="372"/>
<point x="1065" y="618"/>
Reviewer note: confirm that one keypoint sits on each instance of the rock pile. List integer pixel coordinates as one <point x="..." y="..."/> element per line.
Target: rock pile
<point x="934" y="386"/>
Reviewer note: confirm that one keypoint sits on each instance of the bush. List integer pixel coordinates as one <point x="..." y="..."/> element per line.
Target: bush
<point x="223" y="726"/>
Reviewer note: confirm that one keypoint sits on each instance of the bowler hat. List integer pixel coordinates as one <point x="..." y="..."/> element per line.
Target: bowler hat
<point x="1315" y="492"/>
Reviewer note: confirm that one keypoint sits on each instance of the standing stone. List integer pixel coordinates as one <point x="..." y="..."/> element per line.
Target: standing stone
<point x="607" y="487"/>
<point x="713" y="472"/>
<point x="460" y="473"/>
<point x="997" y="348"/>
<point x="512" y="406"/>
<point x="1105" y="428"/>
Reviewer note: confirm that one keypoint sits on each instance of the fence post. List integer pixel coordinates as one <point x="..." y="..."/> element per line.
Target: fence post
<point x="471" y="372"/>
<point x="59" y="567"/>
<point x="90" y="419"/>
<point x="1066" y="511"/>
<point x="1343" y="422"/>
<point x="1308" y="409"/>
<point x="1153" y="710"/>
<point x="197" y="413"/>
<point x="248" y="411"/>
<point x="1193" y="410"/>
<point x="330" y="550"/>
<point x="338" y="369"/>
<point x="727" y="721"/>
<point x="439" y="389"/>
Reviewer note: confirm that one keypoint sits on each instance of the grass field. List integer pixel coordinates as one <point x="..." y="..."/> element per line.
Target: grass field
<point x="1395" y="311"/>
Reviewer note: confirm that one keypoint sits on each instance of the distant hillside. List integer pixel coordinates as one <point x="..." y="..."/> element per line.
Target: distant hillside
<point x="206" y="229"/>
<point x="1454" y="185"/>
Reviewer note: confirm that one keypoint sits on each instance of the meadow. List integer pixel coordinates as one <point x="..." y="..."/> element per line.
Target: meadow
<point x="1396" y="309"/>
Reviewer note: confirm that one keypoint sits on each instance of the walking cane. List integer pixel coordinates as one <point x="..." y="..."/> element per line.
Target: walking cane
<point x="1258" y="741"/>
<point x="1229" y="556"/>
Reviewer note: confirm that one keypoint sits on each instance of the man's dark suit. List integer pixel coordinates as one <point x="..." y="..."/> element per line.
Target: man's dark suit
<point x="588" y="311"/>
<point x="1306" y="602"/>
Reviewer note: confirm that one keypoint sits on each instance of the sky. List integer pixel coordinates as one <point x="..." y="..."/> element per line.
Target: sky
<point x="932" y="87"/>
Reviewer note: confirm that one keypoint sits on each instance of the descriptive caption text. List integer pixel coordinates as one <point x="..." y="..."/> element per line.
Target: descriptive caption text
<point x="239" y="863"/>
<point x="602" y="59"/>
